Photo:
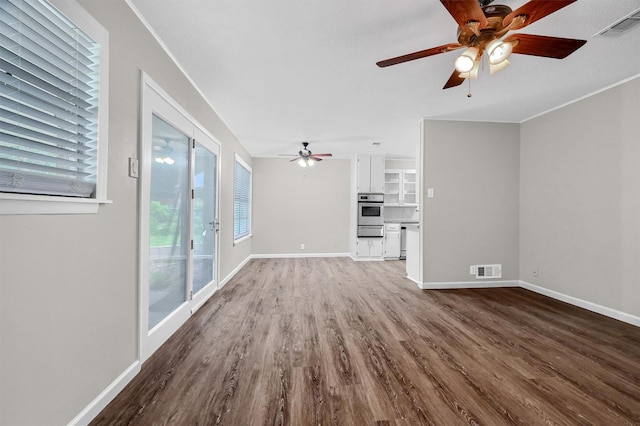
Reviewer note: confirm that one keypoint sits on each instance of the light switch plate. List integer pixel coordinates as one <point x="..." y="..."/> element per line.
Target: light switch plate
<point x="429" y="192"/>
<point x="133" y="167"/>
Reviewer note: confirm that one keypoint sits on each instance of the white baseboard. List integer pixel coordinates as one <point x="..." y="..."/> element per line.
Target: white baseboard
<point x="106" y="396"/>
<point x="234" y="272"/>
<point x="590" y="306"/>
<point x="366" y="259"/>
<point x="294" y="255"/>
<point x="446" y="285"/>
<point x="415" y="281"/>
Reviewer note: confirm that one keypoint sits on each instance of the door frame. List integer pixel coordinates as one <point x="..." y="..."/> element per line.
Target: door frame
<point x="154" y="100"/>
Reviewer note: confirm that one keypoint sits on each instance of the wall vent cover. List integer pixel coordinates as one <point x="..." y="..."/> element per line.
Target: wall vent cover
<point x="487" y="271"/>
<point x="622" y="26"/>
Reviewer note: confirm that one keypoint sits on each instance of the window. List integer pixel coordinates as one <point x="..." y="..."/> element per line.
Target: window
<point x="52" y="104"/>
<point x="241" y="200"/>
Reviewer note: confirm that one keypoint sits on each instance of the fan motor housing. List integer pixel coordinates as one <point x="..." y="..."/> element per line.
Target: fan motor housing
<point x="495" y="16"/>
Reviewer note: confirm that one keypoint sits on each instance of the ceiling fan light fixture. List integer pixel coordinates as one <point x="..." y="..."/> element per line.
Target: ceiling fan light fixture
<point x="465" y="62"/>
<point x="473" y="73"/>
<point x="494" y="68"/>
<point x="499" y="51"/>
<point x="306" y="162"/>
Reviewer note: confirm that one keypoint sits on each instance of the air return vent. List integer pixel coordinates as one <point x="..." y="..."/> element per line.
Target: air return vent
<point x="622" y="26"/>
<point x="486" y="271"/>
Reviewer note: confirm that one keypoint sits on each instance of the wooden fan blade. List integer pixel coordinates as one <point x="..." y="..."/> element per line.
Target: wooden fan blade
<point x="322" y="155"/>
<point x="534" y="11"/>
<point x="421" y="54"/>
<point x="454" y="80"/>
<point x="295" y="159"/>
<point x="313" y="157"/>
<point x="466" y="12"/>
<point x="549" y="47"/>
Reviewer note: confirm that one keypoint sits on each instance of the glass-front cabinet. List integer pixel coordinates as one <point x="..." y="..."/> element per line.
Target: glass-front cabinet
<point x="392" y="186"/>
<point x="401" y="187"/>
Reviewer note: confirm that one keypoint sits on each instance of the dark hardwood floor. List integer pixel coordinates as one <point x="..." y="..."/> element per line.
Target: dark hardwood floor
<point x="323" y="341"/>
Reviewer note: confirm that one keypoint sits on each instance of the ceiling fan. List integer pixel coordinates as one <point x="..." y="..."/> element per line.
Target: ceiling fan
<point x="481" y="27"/>
<point x="306" y="157"/>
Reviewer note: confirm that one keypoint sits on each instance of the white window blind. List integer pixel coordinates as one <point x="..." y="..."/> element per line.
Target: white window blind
<point x="49" y="87"/>
<point x="241" y="200"/>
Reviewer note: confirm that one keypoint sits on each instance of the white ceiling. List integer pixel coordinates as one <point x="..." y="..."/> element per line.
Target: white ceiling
<point x="281" y="72"/>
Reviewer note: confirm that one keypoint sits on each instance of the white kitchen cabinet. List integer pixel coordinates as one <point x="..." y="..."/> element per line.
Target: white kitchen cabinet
<point x="370" y="247"/>
<point x="392" y="241"/>
<point x="401" y="187"/>
<point x="370" y="174"/>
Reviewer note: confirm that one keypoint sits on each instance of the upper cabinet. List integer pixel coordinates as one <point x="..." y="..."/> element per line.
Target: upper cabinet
<point x="371" y="173"/>
<point x="401" y="187"/>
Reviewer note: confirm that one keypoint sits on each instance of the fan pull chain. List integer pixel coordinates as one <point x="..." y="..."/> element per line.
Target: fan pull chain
<point x="469" y="94"/>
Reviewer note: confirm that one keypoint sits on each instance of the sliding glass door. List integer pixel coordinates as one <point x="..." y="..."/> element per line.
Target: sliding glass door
<point x="168" y="220"/>
<point x="204" y="225"/>
<point x="178" y="218"/>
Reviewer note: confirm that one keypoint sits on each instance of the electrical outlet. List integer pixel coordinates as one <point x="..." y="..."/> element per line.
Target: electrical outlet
<point x="301" y="246"/>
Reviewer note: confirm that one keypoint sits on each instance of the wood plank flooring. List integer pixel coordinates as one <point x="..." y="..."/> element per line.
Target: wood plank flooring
<point x="330" y="341"/>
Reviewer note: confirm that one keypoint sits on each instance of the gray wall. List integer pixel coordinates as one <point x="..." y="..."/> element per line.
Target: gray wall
<point x="580" y="199"/>
<point x="473" y="216"/>
<point x="68" y="284"/>
<point x="294" y="206"/>
<point x="400" y="164"/>
<point x="576" y="174"/>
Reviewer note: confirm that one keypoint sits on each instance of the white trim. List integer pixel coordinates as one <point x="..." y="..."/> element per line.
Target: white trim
<point x="15" y="204"/>
<point x="243" y="163"/>
<point x="415" y="281"/>
<point x="296" y="255"/>
<point x="243" y="238"/>
<point x="207" y="293"/>
<point x="581" y="303"/>
<point x="445" y="285"/>
<point x="524" y="120"/>
<point x="585" y="304"/>
<point x="106" y="396"/>
<point x="603" y="89"/>
<point x="234" y="272"/>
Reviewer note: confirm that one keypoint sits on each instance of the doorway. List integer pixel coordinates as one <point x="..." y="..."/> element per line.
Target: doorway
<point x="179" y="166"/>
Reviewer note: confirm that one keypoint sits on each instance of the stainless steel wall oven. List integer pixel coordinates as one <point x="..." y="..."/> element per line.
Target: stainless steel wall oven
<point x="371" y="215"/>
